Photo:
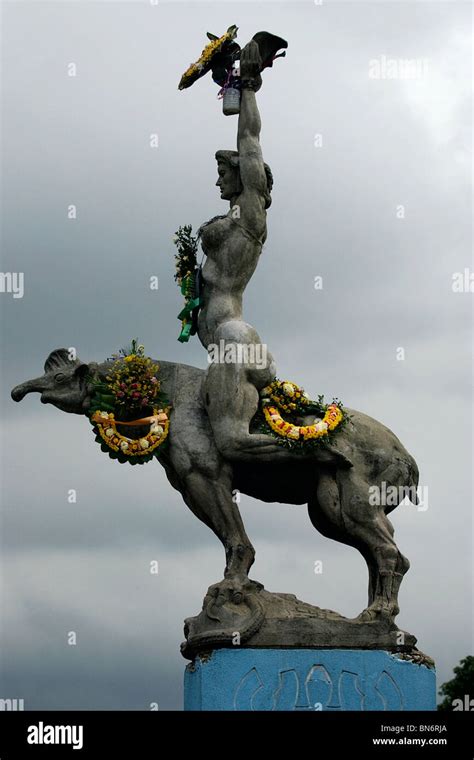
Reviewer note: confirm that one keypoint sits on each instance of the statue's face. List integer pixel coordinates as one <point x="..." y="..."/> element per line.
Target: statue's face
<point x="228" y="181"/>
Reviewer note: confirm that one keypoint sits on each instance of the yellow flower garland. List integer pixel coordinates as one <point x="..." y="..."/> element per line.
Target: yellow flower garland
<point x="211" y="48"/>
<point x="106" y="425"/>
<point x="331" y="420"/>
<point x="289" y="397"/>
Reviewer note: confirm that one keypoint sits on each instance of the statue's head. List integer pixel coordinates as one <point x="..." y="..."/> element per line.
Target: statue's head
<point x="229" y="180"/>
<point x="64" y="383"/>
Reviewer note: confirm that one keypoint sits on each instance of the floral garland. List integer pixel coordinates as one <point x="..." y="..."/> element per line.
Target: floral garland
<point x="131" y="386"/>
<point x="289" y="398"/>
<point x="203" y="64"/>
<point x="107" y="430"/>
<point x="187" y="276"/>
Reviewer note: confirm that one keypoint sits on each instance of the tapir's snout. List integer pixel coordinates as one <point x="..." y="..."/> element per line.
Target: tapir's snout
<point x="63" y="385"/>
<point x="38" y="385"/>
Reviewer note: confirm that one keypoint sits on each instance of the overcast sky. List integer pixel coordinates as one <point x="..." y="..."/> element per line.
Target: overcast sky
<point x="387" y="284"/>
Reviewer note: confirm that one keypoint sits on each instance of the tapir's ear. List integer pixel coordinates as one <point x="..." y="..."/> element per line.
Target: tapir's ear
<point x="82" y="371"/>
<point x="59" y="359"/>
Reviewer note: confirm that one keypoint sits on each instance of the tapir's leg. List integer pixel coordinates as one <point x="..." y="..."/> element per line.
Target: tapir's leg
<point x="370" y="525"/>
<point x="329" y="528"/>
<point x="213" y="499"/>
<point x="354" y="521"/>
<point x="324" y="511"/>
<point x="402" y="565"/>
<point x="205" y="482"/>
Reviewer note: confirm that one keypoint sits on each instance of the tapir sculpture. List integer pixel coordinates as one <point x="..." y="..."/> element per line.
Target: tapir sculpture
<point x="338" y="500"/>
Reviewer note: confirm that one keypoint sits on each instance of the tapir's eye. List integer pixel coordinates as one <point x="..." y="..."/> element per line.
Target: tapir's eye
<point x="59" y="377"/>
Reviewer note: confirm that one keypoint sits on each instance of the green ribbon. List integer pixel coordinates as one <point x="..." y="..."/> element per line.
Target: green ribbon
<point x="183" y="337"/>
<point x="185" y="315"/>
<point x="190" y="306"/>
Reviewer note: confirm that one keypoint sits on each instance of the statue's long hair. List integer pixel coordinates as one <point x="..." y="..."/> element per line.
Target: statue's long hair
<point x="231" y="158"/>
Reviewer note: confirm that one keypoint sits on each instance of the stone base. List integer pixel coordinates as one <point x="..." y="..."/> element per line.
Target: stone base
<point x="269" y="620"/>
<point x="308" y="679"/>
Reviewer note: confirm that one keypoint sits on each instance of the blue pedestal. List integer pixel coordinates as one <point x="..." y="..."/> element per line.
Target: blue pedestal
<point x="307" y="679"/>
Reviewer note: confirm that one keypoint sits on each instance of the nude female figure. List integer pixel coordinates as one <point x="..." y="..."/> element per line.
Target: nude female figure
<point x="233" y="244"/>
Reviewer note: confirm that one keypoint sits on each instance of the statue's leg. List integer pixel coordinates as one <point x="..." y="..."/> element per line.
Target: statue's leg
<point x="231" y="396"/>
<point x="231" y="401"/>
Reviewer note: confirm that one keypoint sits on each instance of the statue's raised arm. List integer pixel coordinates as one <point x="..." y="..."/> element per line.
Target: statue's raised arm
<point x="254" y="176"/>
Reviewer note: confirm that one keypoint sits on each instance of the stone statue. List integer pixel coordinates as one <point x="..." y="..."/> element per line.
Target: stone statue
<point x="233" y="244"/>
<point x="214" y="447"/>
<point x="337" y="499"/>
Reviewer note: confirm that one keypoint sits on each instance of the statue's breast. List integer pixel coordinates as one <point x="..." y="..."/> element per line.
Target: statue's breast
<point x="231" y="257"/>
<point x="215" y="234"/>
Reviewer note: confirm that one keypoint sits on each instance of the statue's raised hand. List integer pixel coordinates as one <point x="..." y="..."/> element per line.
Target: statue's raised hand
<point x="251" y="66"/>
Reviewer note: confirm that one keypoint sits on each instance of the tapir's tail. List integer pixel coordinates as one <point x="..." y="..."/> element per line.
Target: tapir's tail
<point x="414" y="477"/>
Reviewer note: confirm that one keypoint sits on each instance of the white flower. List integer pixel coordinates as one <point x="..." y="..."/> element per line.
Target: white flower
<point x="109" y="432"/>
<point x="156" y="429"/>
<point x="124" y="445"/>
<point x="305" y="395"/>
<point x="144" y="443"/>
<point x="266" y="400"/>
<point x="321" y="426"/>
<point x="104" y="415"/>
<point x="288" y="389"/>
<point x="294" y="432"/>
